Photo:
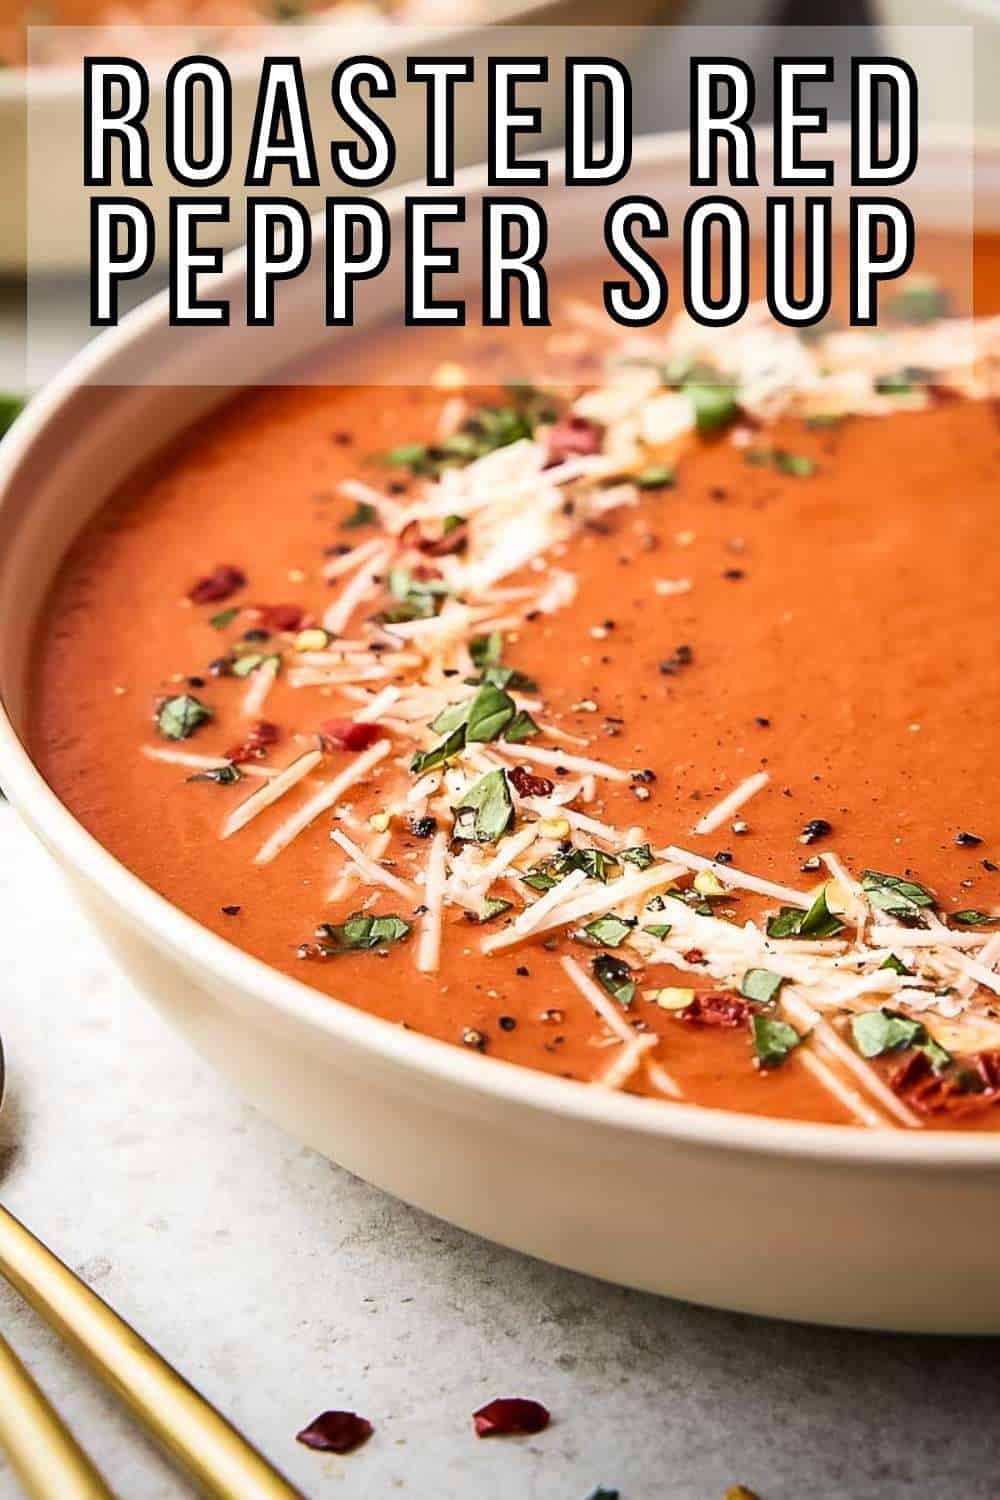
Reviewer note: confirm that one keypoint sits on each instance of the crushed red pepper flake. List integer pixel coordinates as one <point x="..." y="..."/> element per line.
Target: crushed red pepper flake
<point x="336" y="1432"/>
<point x="510" y="1416"/>
<point x="221" y="583"/>
<point x="280" y="616"/>
<point x="260" y="737"/>
<point x="527" y="784"/>
<point x="715" y="1010"/>
<point x="347" y="734"/>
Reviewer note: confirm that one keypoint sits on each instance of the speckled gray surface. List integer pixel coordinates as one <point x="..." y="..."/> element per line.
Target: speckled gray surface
<point x="281" y="1285"/>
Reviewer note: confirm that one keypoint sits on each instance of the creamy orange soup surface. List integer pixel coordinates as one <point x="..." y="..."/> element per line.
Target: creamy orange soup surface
<point x="641" y="731"/>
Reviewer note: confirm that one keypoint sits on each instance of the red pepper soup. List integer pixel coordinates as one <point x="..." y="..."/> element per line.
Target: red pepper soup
<point x="641" y="730"/>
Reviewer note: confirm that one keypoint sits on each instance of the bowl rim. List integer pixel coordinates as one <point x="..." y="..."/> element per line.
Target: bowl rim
<point x="492" y="1080"/>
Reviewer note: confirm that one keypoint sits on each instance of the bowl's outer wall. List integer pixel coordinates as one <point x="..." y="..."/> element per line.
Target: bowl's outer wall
<point x="827" y="1225"/>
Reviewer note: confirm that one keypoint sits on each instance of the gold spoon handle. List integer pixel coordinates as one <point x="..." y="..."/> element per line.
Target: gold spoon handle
<point x="44" y="1454"/>
<point x="219" y="1460"/>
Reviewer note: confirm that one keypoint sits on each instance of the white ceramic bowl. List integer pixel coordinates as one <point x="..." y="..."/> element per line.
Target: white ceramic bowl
<point x="825" y="1223"/>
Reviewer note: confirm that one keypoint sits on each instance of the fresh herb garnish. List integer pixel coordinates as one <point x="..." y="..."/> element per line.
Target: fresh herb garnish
<point x="490" y="711"/>
<point x="877" y="1032"/>
<point x="638" y="854"/>
<point x="493" y="906"/>
<point x="655" y="477"/>
<point x="818" y="922"/>
<point x="658" y="929"/>
<point x="181" y="716"/>
<point x="773" y="1040"/>
<point x="426" y="760"/>
<point x="486" y="650"/>
<point x="486" y="810"/>
<point x="615" y="976"/>
<point x="505" y="677"/>
<point x="595" y="863"/>
<point x="715" y="406"/>
<point x="244" y="665"/>
<point x="609" y="931"/>
<point x="362" y="931"/>
<point x="895" y="965"/>
<point x="487" y="429"/>
<point x="761" y="985"/>
<point x="797" y="464"/>
<point x="363" y="514"/>
<point x="521" y="727"/>
<point x="417" y="598"/>
<point x="224" y="617"/>
<point x="894" y="894"/>
<point x="226" y="775"/>
<point x="921" y="302"/>
<point x="972" y="918"/>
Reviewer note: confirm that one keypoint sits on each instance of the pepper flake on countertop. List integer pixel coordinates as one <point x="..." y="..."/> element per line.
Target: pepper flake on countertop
<point x="336" y="1432"/>
<point x="510" y="1416"/>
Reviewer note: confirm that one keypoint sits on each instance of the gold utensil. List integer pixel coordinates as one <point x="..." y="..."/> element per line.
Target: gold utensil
<point x="44" y="1454"/>
<point x="219" y="1460"/>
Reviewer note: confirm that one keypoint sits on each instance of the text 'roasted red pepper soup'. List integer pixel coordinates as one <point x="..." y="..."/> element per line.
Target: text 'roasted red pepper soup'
<point x="640" y="731"/>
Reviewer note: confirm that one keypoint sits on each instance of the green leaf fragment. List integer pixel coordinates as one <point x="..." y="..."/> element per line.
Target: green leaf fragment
<point x="609" y="931"/>
<point x="615" y="976"/>
<point x="226" y="775"/>
<point x="223" y="618"/>
<point x="900" y="897"/>
<point x="363" y="514"/>
<point x="426" y="760"/>
<point x="521" y="727"/>
<point x="772" y="1039"/>
<point x="655" y="477"/>
<point x="486" y="810"/>
<point x="179" y="717"/>
<point x="761" y="985"/>
<point x="361" y="932"/>
<point x="639" y="855"/>
<point x="818" y="922"/>
<point x="489" y="712"/>
<point x="715" y="406"/>
<point x="493" y="906"/>
<point x="973" y="918"/>
<point x="658" y="929"/>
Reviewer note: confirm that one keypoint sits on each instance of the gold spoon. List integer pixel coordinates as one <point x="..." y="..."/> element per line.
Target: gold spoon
<point x="215" y="1456"/>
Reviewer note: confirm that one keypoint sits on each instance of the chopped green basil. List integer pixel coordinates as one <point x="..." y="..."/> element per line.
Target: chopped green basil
<point x="658" y="929"/>
<point x="894" y="894"/>
<point x="521" y="727"/>
<point x="794" y="463"/>
<point x="504" y="677"/>
<point x="486" y="810"/>
<point x="418" y="598"/>
<point x="772" y="1040"/>
<point x="715" y="406"/>
<point x="181" y="716"/>
<point x="761" y="985"/>
<point x="877" y="1032"/>
<point x="818" y="922"/>
<point x="487" y="650"/>
<point x="639" y="854"/>
<point x="487" y="429"/>
<point x="363" y="514"/>
<point x="655" y="477"/>
<point x="609" y="931"/>
<point x="922" y="302"/>
<point x="896" y="965"/>
<point x="973" y="918"/>
<point x="244" y="665"/>
<point x="540" y="879"/>
<point x="493" y="906"/>
<point x="224" y="617"/>
<point x="595" y="863"/>
<point x="615" y="976"/>
<point x="362" y="931"/>
<point x="490" y="711"/>
<point x="226" y="775"/>
<point x="426" y="760"/>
